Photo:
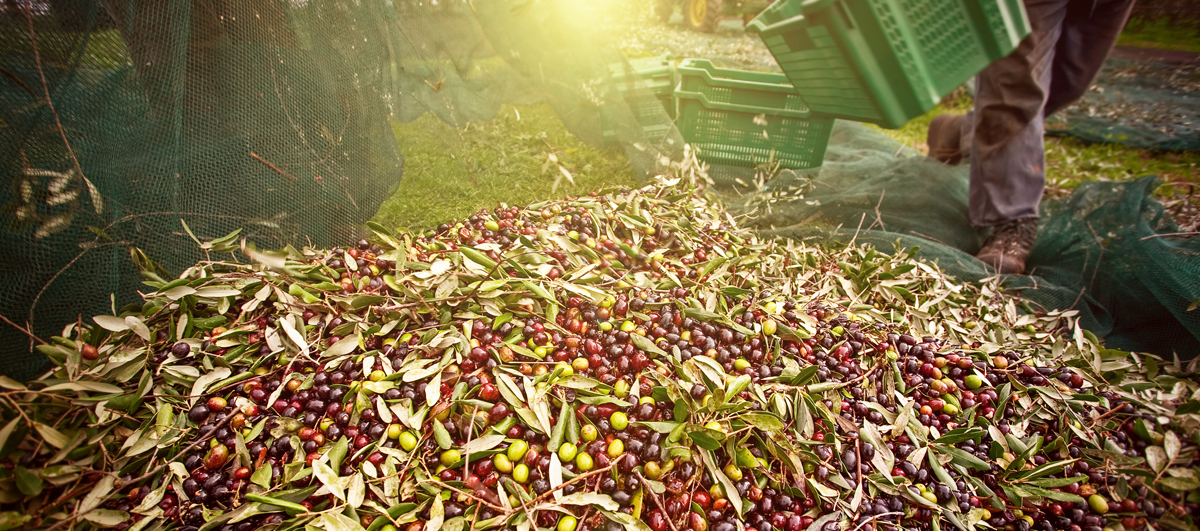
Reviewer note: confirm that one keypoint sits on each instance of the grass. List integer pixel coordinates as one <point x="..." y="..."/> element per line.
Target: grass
<point x="451" y="173"/>
<point x="1161" y="33"/>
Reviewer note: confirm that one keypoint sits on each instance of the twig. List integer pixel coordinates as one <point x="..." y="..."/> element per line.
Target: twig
<point x="878" y="215"/>
<point x="876" y="517"/>
<point x="1152" y="236"/>
<point x="18" y="408"/>
<point x="185" y="451"/>
<point x="654" y="498"/>
<point x="23" y="330"/>
<point x="575" y="480"/>
<point x="1109" y="412"/>
<point x="272" y="166"/>
<point x="37" y="58"/>
<point x="471" y="496"/>
<point x="855" y="238"/>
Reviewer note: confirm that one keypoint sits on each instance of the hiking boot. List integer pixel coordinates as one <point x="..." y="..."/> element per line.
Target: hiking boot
<point x="1009" y="245"/>
<point x="945" y="139"/>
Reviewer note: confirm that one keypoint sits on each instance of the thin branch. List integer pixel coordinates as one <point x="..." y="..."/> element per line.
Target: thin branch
<point x="1185" y="234"/>
<point x="657" y="502"/>
<point x="273" y="167"/>
<point x="471" y="496"/>
<point x="26" y="331"/>
<point x="37" y="58"/>
<point x="185" y="451"/>
<point x="576" y="479"/>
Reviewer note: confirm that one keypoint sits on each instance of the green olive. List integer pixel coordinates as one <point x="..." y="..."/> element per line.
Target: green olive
<point x="621" y="389"/>
<point x="733" y="472"/>
<point x="567" y="523"/>
<point x="449" y="457"/>
<point x="619" y="421"/>
<point x="567" y="452"/>
<point x="520" y="473"/>
<point x="716" y="492"/>
<point x="769" y="327"/>
<point x="652" y="470"/>
<point x="566" y="368"/>
<point x="616" y="448"/>
<point x="502" y="463"/>
<point x="408" y="441"/>
<point x="517" y="450"/>
<point x="973" y="381"/>
<point x="1098" y="503"/>
<point x="584" y="461"/>
<point x="394" y="431"/>
<point x="745" y="458"/>
<point x="589" y="433"/>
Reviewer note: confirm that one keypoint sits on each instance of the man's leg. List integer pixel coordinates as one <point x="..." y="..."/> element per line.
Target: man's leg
<point x="1088" y="35"/>
<point x="1007" y="153"/>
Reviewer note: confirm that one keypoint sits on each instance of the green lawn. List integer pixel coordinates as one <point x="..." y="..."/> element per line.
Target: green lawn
<point x="1161" y="33"/>
<point x="451" y="173"/>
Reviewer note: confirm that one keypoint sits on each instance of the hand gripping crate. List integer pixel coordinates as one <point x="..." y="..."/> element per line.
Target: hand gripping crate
<point x="886" y="61"/>
<point x="743" y="118"/>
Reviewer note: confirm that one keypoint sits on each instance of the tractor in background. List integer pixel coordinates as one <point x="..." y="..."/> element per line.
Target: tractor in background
<point x="703" y="15"/>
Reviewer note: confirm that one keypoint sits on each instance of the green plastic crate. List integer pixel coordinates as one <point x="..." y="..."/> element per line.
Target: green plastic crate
<point x="741" y="118"/>
<point x="886" y="61"/>
<point x="655" y="75"/>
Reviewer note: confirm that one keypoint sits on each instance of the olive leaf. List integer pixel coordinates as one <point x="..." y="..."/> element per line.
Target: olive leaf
<point x="329" y="479"/>
<point x="1172" y="445"/>
<point x="1157" y="458"/>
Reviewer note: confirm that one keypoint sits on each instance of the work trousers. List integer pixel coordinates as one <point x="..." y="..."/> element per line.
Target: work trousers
<point x="1050" y="69"/>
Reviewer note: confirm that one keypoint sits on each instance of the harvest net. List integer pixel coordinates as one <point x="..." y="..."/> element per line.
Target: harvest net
<point x="1107" y="250"/>
<point x="269" y="116"/>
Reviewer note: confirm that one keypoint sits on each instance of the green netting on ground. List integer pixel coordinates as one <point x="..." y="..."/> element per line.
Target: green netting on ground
<point x="1099" y="251"/>
<point x="1139" y="100"/>
<point x="264" y="115"/>
<point x="275" y="118"/>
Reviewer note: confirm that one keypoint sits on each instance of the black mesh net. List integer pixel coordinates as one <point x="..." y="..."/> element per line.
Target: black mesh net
<point x="123" y="120"/>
